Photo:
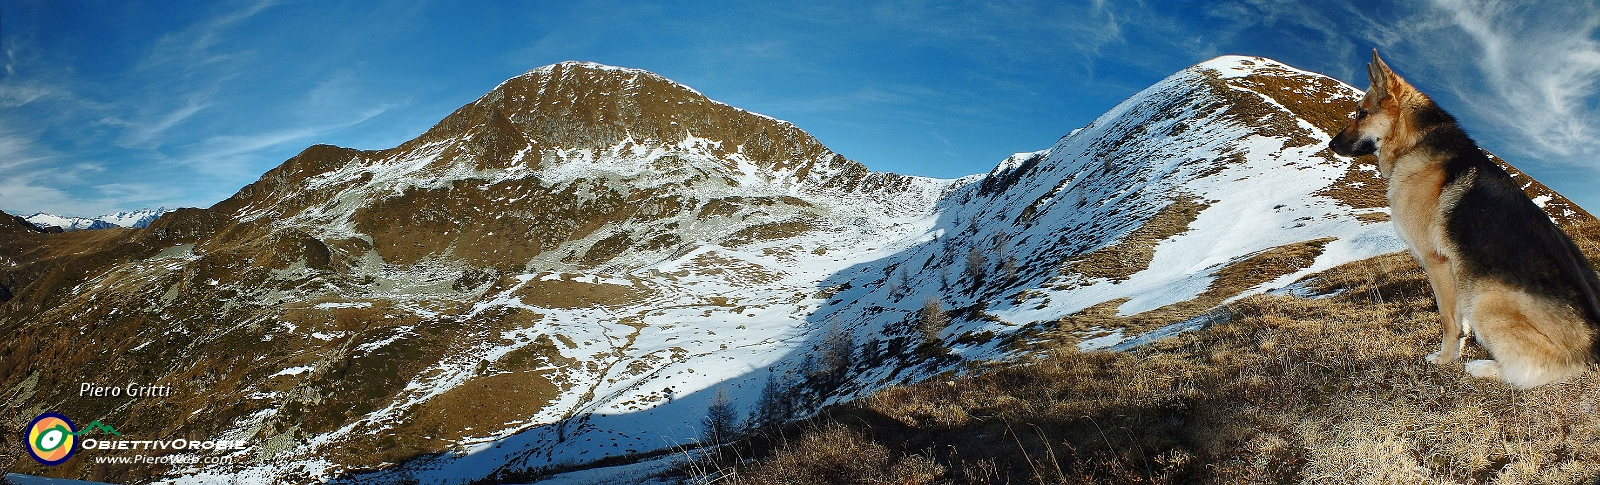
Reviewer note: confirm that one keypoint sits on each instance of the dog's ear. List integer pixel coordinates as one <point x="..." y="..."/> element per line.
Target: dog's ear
<point x="1378" y="75"/>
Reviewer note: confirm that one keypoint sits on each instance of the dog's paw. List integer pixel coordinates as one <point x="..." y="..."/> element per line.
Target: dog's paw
<point x="1484" y="369"/>
<point x="1440" y="359"/>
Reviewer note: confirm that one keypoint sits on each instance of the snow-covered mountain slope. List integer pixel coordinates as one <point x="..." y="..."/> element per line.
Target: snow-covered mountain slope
<point x="572" y="266"/>
<point x="580" y="234"/>
<point x="47" y="221"/>
<point x="132" y="219"/>
<point x="135" y="219"/>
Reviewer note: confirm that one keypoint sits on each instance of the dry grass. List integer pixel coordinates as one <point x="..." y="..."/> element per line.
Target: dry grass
<point x="834" y="453"/>
<point x="1236" y="277"/>
<point x="605" y="249"/>
<point x="448" y="417"/>
<point x="1291" y="390"/>
<point x="1319" y="100"/>
<point x="1360" y="187"/>
<point x="571" y="293"/>
<point x="770" y="231"/>
<point x="1586" y="234"/>
<point x="1133" y="252"/>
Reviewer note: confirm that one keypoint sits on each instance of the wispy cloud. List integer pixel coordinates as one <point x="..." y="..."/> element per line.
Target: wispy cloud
<point x="25" y="82"/>
<point x="1540" y="62"/>
<point x="136" y="191"/>
<point x="1103" y="27"/>
<point x="189" y="59"/>
<point x="31" y="180"/>
<point x="11" y="59"/>
<point x="844" y="102"/>
<point x="19" y="195"/>
<point x="80" y="154"/>
<point x="173" y="79"/>
<point x="190" y="48"/>
<point x="17" y="94"/>
<point x="143" y="133"/>
<point x="18" y="150"/>
<point x="1011" y="31"/>
<point x="235" y="155"/>
<point x="30" y="191"/>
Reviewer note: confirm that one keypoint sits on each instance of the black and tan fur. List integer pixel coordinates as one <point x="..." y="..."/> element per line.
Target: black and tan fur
<point x="1500" y="269"/>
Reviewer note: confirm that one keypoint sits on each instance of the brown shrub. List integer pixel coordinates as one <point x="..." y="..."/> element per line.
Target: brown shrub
<point x="836" y="454"/>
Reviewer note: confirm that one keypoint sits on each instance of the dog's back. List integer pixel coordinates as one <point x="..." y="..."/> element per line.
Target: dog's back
<point x="1502" y="235"/>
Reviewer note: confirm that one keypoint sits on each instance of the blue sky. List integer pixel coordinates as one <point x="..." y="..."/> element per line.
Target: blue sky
<point x="118" y="105"/>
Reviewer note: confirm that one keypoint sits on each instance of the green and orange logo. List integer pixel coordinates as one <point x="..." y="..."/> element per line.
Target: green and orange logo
<point x="51" y="438"/>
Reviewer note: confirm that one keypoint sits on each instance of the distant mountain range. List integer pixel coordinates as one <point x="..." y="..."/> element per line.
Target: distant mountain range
<point x="576" y="265"/>
<point x="131" y="219"/>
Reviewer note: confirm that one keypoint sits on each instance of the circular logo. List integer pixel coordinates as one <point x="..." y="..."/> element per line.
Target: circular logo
<point x="52" y="438"/>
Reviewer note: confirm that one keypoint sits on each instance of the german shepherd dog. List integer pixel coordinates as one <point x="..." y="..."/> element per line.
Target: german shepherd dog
<point x="1500" y="269"/>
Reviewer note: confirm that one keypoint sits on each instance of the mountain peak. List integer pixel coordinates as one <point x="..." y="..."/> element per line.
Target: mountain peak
<point x="1232" y="65"/>
<point x="580" y="114"/>
<point x="585" y="65"/>
<point x="133" y="219"/>
<point x="628" y="92"/>
<point x="592" y="74"/>
<point x="585" y="137"/>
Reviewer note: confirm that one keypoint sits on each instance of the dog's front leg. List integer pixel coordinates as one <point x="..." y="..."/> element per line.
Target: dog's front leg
<point x="1443" y="282"/>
